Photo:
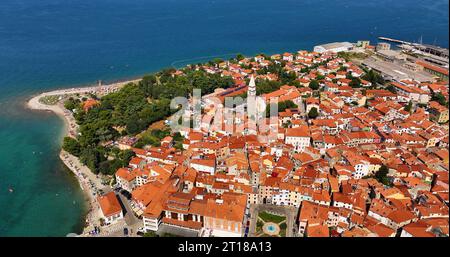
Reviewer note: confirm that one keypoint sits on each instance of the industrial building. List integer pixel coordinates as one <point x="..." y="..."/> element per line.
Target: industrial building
<point x="383" y="46"/>
<point x="335" y="47"/>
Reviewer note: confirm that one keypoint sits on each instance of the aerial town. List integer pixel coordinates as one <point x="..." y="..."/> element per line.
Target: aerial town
<point x="360" y="149"/>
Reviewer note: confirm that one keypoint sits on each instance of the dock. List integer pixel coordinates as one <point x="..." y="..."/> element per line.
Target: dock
<point x="395" y="40"/>
<point x="431" y="53"/>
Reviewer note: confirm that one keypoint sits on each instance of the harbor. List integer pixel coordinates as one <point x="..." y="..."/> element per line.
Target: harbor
<point x="431" y="53"/>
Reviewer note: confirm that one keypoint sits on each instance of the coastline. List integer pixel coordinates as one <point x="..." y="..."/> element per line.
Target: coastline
<point x="89" y="183"/>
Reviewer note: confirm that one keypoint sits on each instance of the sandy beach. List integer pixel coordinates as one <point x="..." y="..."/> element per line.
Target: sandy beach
<point x="89" y="182"/>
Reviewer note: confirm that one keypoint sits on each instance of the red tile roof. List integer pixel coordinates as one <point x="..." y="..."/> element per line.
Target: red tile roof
<point x="109" y="204"/>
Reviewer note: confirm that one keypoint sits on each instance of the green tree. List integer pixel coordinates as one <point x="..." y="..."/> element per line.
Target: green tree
<point x="440" y="98"/>
<point x="282" y="106"/>
<point x="391" y="89"/>
<point x="71" y="146"/>
<point x="240" y="57"/>
<point x="355" y="83"/>
<point x="135" y="125"/>
<point x="267" y="86"/>
<point x="109" y="167"/>
<point x="342" y="68"/>
<point x="381" y="175"/>
<point x="137" y="105"/>
<point x="320" y="77"/>
<point x="295" y="83"/>
<point x="71" y="104"/>
<point x="374" y="77"/>
<point x="217" y="60"/>
<point x="314" y="85"/>
<point x="125" y="156"/>
<point x="92" y="157"/>
<point x="408" y="107"/>
<point x="313" y="113"/>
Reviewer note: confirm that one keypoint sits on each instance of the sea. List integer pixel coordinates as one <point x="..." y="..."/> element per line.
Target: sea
<point x="50" y="44"/>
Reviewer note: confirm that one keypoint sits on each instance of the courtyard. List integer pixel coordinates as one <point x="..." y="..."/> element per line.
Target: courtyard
<point x="270" y="225"/>
<point x="272" y="221"/>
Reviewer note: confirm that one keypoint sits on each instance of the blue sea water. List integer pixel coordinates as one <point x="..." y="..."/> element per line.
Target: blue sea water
<point x="49" y="44"/>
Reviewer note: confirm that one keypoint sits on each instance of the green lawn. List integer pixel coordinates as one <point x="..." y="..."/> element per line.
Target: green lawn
<point x="268" y="217"/>
<point x="264" y="217"/>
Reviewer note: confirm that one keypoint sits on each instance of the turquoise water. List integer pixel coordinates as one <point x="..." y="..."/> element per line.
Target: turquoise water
<point x="49" y="44"/>
<point x="271" y="228"/>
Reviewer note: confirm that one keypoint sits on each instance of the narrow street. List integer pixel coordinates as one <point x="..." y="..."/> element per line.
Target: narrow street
<point x="132" y="222"/>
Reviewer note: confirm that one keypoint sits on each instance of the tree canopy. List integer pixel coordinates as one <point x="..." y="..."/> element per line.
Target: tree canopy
<point x="440" y="98"/>
<point x="313" y="113"/>
<point x="374" y="77"/>
<point x="381" y="175"/>
<point x="71" y="146"/>
<point x="314" y="85"/>
<point x="282" y="106"/>
<point x="134" y="107"/>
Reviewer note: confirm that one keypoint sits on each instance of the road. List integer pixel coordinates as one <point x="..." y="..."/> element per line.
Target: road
<point x="130" y="218"/>
<point x="132" y="222"/>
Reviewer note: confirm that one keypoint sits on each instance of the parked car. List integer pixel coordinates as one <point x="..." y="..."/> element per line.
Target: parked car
<point x="246" y="232"/>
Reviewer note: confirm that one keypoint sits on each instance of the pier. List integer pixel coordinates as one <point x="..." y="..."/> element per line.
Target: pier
<point x="431" y="53"/>
<point x="395" y="40"/>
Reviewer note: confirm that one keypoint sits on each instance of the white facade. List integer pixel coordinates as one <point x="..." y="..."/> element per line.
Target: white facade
<point x="300" y="143"/>
<point x="112" y="219"/>
<point x="334" y="47"/>
<point x="281" y="198"/>
<point x="344" y="205"/>
<point x="124" y="184"/>
<point x="361" y="170"/>
<point x="151" y="224"/>
<point x="203" y="168"/>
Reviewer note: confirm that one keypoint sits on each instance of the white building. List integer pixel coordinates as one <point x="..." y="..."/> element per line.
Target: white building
<point x="298" y="137"/>
<point x="151" y="223"/>
<point x="110" y="208"/>
<point x="125" y="179"/>
<point x="208" y="166"/>
<point x="282" y="197"/>
<point x="335" y="47"/>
